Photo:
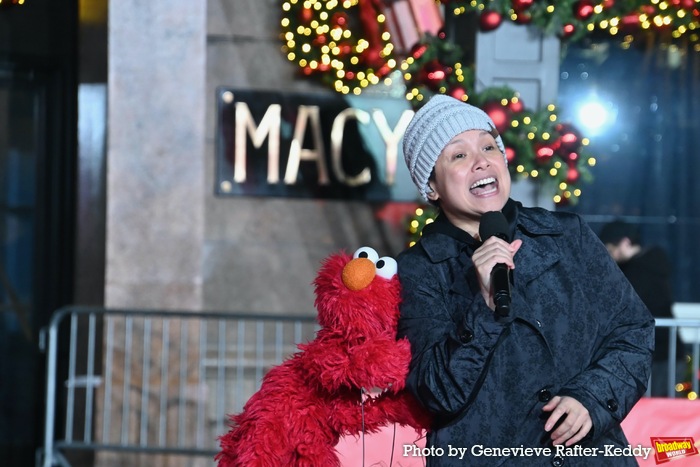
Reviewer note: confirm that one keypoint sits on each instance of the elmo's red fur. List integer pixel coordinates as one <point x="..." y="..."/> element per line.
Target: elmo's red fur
<point x="306" y="403"/>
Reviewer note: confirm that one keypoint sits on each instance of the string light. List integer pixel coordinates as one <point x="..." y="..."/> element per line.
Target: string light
<point x="325" y="39"/>
<point x="572" y="19"/>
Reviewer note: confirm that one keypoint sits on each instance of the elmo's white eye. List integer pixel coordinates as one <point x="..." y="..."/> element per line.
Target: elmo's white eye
<point x="386" y="267"/>
<point x="366" y="252"/>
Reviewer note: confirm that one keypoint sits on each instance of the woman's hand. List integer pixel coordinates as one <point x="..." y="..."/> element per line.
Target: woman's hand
<point x="573" y="427"/>
<point x="492" y="252"/>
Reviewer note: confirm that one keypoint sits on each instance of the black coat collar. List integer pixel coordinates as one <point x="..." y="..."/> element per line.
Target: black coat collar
<point x="532" y="221"/>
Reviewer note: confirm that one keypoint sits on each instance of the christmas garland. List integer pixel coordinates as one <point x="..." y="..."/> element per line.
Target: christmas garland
<point x="574" y="19"/>
<point x="346" y="43"/>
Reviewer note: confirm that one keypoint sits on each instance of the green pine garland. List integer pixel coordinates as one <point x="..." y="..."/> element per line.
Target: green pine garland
<point x="327" y="40"/>
<point x="574" y="19"/>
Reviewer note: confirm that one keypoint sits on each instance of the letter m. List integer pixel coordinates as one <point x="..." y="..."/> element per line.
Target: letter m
<point x="245" y="126"/>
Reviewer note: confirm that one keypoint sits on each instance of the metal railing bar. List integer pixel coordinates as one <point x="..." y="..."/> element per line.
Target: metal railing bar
<point x="136" y="449"/>
<point x="184" y="314"/>
<point x="200" y="397"/>
<point x="671" y="368"/>
<point x="165" y="346"/>
<point x="51" y="391"/>
<point x="184" y="334"/>
<point x="278" y="341"/>
<point x="126" y="395"/>
<point x="220" y="376"/>
<point x="239" y="357"/>
<point x="71" y="376"/>
<point x="145" y="382"/>
<point x="696" y="362"/>
<point x="89" y="388"/>
<point x="109" y="351"/>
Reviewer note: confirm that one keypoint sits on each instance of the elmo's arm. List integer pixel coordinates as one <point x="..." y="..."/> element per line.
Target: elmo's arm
<point x="381" y="362"/>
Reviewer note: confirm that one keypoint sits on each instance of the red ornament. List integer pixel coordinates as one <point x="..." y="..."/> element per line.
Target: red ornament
<point x="569" y="138"/>
<point x="510" y="154"/>
<point x="648" y="10"/>
<point x="499" y="114"/>
<point x="516" y="106"/>
<point x="555" y="144"/>
<point x="418" y="50"/>
<point x="339" y="19"/>
<point x="490" y="20"/>
<point x="523" y="18"/>
<point x="583" y="9"/>
<point x="543" y="153"/>
<point x="442" y="34"/>
<point x="687" y="4"/>
<point x="458" y="93"/>
<point x="432" y="74"/>
<point x="568" y="30"/>
<point x="306" y="15"/>
<point x="345" y="49"/>
<point x="521" y="5"/>
<point x="569" y="142"/>
<point x="373" y="57"/>
<point x="630" y="22"/>
<point x="435" y="70"/>
<point x="572" y="175"/>
<point x="383" y="71"/>
<point x="607" y="4"/>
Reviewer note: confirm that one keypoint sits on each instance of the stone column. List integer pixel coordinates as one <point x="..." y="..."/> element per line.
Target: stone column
<point x="155" y="183"/>
<point x="156" y="145"/>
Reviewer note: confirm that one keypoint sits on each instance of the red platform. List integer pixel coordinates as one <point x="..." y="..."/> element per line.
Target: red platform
<point x="651" y="417"/>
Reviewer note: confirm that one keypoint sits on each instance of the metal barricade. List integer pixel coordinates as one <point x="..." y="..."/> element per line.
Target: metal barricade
<point x="155" y="381"/>
<point x="164" y="382"/>
<point x="689" y="356"/>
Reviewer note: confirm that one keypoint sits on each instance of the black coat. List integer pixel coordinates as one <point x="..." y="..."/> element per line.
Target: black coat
<point x="576" y="328"/>
<point x="649" y="272"/>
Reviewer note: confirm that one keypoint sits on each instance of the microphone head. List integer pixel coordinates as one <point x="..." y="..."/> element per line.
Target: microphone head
<point x="494" y="223"/>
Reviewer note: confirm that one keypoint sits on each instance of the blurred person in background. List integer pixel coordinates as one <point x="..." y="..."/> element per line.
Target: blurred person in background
<point x="649" y="271"/>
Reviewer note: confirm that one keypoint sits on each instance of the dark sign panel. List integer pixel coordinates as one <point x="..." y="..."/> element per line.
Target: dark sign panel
<point x="311" y="146"/>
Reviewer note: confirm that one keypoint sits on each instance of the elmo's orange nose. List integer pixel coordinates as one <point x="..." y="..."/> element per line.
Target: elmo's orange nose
<point x="358" y="273"/>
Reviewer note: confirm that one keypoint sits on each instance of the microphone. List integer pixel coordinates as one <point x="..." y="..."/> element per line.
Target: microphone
<point x="494" y="223"/>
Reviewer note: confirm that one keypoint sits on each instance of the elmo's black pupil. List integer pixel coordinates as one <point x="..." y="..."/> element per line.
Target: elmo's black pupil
<point x="380" y="264"/>
<point x="363" y="254"/>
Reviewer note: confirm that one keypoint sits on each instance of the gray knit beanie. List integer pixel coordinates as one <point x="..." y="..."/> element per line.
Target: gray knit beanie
<point x="432" y="127"/>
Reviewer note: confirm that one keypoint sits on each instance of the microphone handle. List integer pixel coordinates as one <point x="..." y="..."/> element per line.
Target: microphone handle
<point x="500" y="284"/>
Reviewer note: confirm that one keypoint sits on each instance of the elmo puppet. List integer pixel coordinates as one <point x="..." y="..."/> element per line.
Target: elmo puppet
<point x="321" y="393"/>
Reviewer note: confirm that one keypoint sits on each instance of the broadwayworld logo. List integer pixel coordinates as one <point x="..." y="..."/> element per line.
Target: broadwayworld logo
<point x="668" y="449"/>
